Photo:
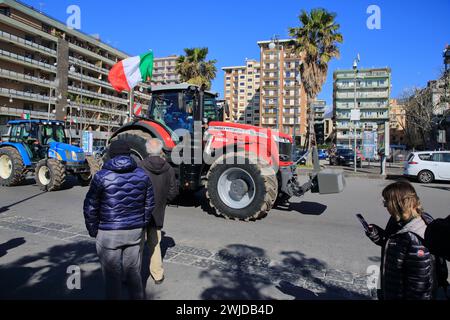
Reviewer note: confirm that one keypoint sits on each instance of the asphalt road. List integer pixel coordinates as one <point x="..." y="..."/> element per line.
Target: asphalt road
<point x="315" y="249"/>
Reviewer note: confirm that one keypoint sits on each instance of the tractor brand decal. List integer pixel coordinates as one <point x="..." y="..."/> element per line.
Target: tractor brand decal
<point x="240" y="131"/>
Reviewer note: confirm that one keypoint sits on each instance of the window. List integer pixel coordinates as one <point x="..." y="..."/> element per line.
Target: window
<point x="445" y="157"/>
<point x="437" y="157"/>
<point x="425" y="157"/>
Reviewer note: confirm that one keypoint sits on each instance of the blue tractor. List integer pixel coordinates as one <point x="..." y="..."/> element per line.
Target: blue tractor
<point x="41" y="146"/>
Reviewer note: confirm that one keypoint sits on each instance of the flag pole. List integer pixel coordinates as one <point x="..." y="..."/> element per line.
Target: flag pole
<point x="131" y="98"/>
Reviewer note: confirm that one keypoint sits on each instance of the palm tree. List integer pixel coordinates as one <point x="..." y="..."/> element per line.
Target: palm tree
<point x="193" y="67"/>
<point x="316" y="41"/>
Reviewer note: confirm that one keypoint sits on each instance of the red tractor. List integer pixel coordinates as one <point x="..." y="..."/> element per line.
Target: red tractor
<point x="245" y="169"/>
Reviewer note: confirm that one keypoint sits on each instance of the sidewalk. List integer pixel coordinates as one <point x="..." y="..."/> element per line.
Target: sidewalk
<point x="394" y="171"/>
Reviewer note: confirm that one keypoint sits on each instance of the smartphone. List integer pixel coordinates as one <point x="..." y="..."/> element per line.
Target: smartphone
<point x="363" y="222"/>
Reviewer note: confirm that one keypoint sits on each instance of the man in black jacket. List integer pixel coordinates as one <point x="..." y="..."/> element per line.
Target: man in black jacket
<point x="165" y="189"/>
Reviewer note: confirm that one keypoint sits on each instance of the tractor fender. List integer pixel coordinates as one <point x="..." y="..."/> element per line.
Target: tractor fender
<point x="151" y="127"/>
<point x="22" y="151"/>
<point x="221" y="145"/>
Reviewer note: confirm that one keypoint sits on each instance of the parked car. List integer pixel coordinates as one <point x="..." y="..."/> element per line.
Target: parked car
<point x="299" y="156"/>
<point x="428" y="166"/>
<point x="345" y="157"/>
<point x="323" y="154"/>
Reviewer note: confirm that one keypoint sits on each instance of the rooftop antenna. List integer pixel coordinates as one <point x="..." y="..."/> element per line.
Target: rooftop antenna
<point x="41" y="4"/>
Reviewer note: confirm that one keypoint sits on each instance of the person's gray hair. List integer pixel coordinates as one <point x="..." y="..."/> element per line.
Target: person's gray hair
<point x="154" y="147"/>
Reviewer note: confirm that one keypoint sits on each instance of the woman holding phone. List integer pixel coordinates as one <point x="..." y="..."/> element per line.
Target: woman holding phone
<point x="408" y="270"/>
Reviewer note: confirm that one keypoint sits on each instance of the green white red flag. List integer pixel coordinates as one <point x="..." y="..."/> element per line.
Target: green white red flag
<point x="126" y="74"/>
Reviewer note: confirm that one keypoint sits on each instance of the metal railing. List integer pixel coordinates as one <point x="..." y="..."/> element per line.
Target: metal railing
<point x="20" y="76"/>
<point x="12" y="93"/>
<point x="13" y="38"/>
<point x="102" y="96"/>
<point x="27" y="60"/>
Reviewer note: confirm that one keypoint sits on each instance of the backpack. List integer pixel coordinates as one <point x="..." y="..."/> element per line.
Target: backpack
<point x="437" y="240"/>
<point x="437" y="237"/>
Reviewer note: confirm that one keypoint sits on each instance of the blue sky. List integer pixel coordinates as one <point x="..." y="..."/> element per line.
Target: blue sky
<point x="411" y="39"/>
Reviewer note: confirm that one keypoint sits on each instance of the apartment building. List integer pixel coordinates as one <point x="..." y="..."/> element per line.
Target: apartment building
<point x="318" y="107"/>
<point x="373" y="88"/>
<point x="50" y="71"/>
<point x="397" y="120"/>
<point x="164" y="71"/>
<point x="242" y="92"/>
<point x="282" y="99"/>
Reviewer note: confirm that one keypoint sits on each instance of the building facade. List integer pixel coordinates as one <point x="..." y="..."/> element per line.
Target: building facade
<point x="397" y="120"/>
<point x="164" y="71"/>
<point x="49" y="71"/>
<point x="242" y="92"/>
<point x="373" y="87"/>
<point x="282" y="99"/>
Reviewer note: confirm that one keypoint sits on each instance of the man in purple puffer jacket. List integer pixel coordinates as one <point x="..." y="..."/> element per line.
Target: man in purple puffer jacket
<point x="117" y="208"/>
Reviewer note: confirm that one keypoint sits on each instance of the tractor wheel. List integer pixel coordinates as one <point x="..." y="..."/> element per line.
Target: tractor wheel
<point x="84" y="178"/>
<point x="241" y="191"/>
<point x="94" y="167"/>
<point x="137" y="141"/>
<point x="11" y="167"/>
<point x="50" y="174"/>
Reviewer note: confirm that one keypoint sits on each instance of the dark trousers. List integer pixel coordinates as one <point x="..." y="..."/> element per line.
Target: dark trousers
<point x="121" y="263"/>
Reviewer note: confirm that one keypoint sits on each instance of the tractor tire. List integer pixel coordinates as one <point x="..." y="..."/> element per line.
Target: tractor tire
<point x="137" y="141"/>
<point x="50" y="174"/>
<point x="11" y="167"/>
<point x="94" y="166"/>
<point x="248" y="196"/>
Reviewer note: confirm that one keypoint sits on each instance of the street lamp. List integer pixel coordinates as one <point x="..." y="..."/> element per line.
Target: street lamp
<point x="355" y="68"/>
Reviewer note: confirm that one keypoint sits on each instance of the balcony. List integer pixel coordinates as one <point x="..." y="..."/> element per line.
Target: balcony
<point x="363" y="95"/>
<point x="364" y="74"/>
<point x="88" y="65"/>
<point x="15" y="94"/>
<point x="76" y="90"/>
<point x="16" y="112"/>
<point x="26" y="78"/>
<point x="12" y="57"/>
<point x="27" y="44"/>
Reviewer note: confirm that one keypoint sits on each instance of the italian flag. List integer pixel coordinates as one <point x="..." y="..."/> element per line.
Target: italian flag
<point x="126" y="74"/>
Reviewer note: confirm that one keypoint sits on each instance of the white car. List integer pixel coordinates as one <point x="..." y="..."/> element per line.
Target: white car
<point x="428" y="166"/>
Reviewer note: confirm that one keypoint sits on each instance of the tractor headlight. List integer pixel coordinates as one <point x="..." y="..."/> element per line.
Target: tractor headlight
<point x="74" y="156"/>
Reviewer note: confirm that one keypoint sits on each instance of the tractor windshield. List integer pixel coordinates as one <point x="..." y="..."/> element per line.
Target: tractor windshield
<point x="53" y="133"/>
<point x="166" y="109"/>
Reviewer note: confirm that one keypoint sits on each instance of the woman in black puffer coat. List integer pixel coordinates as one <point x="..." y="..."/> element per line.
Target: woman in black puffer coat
<point x="408" y="269"/>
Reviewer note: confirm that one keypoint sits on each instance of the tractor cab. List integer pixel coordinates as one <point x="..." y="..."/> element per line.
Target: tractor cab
<point x="36" y="136"/>
<point x="179" y="106"/>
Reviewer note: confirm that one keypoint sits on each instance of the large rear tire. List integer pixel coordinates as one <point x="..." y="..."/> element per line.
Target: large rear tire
<point x="241" y="191"/>
<point x="11" y="167"/>
<point x="50" y="174"/>
<point x="137" y="141"/>
<point x="94" y="166"/>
